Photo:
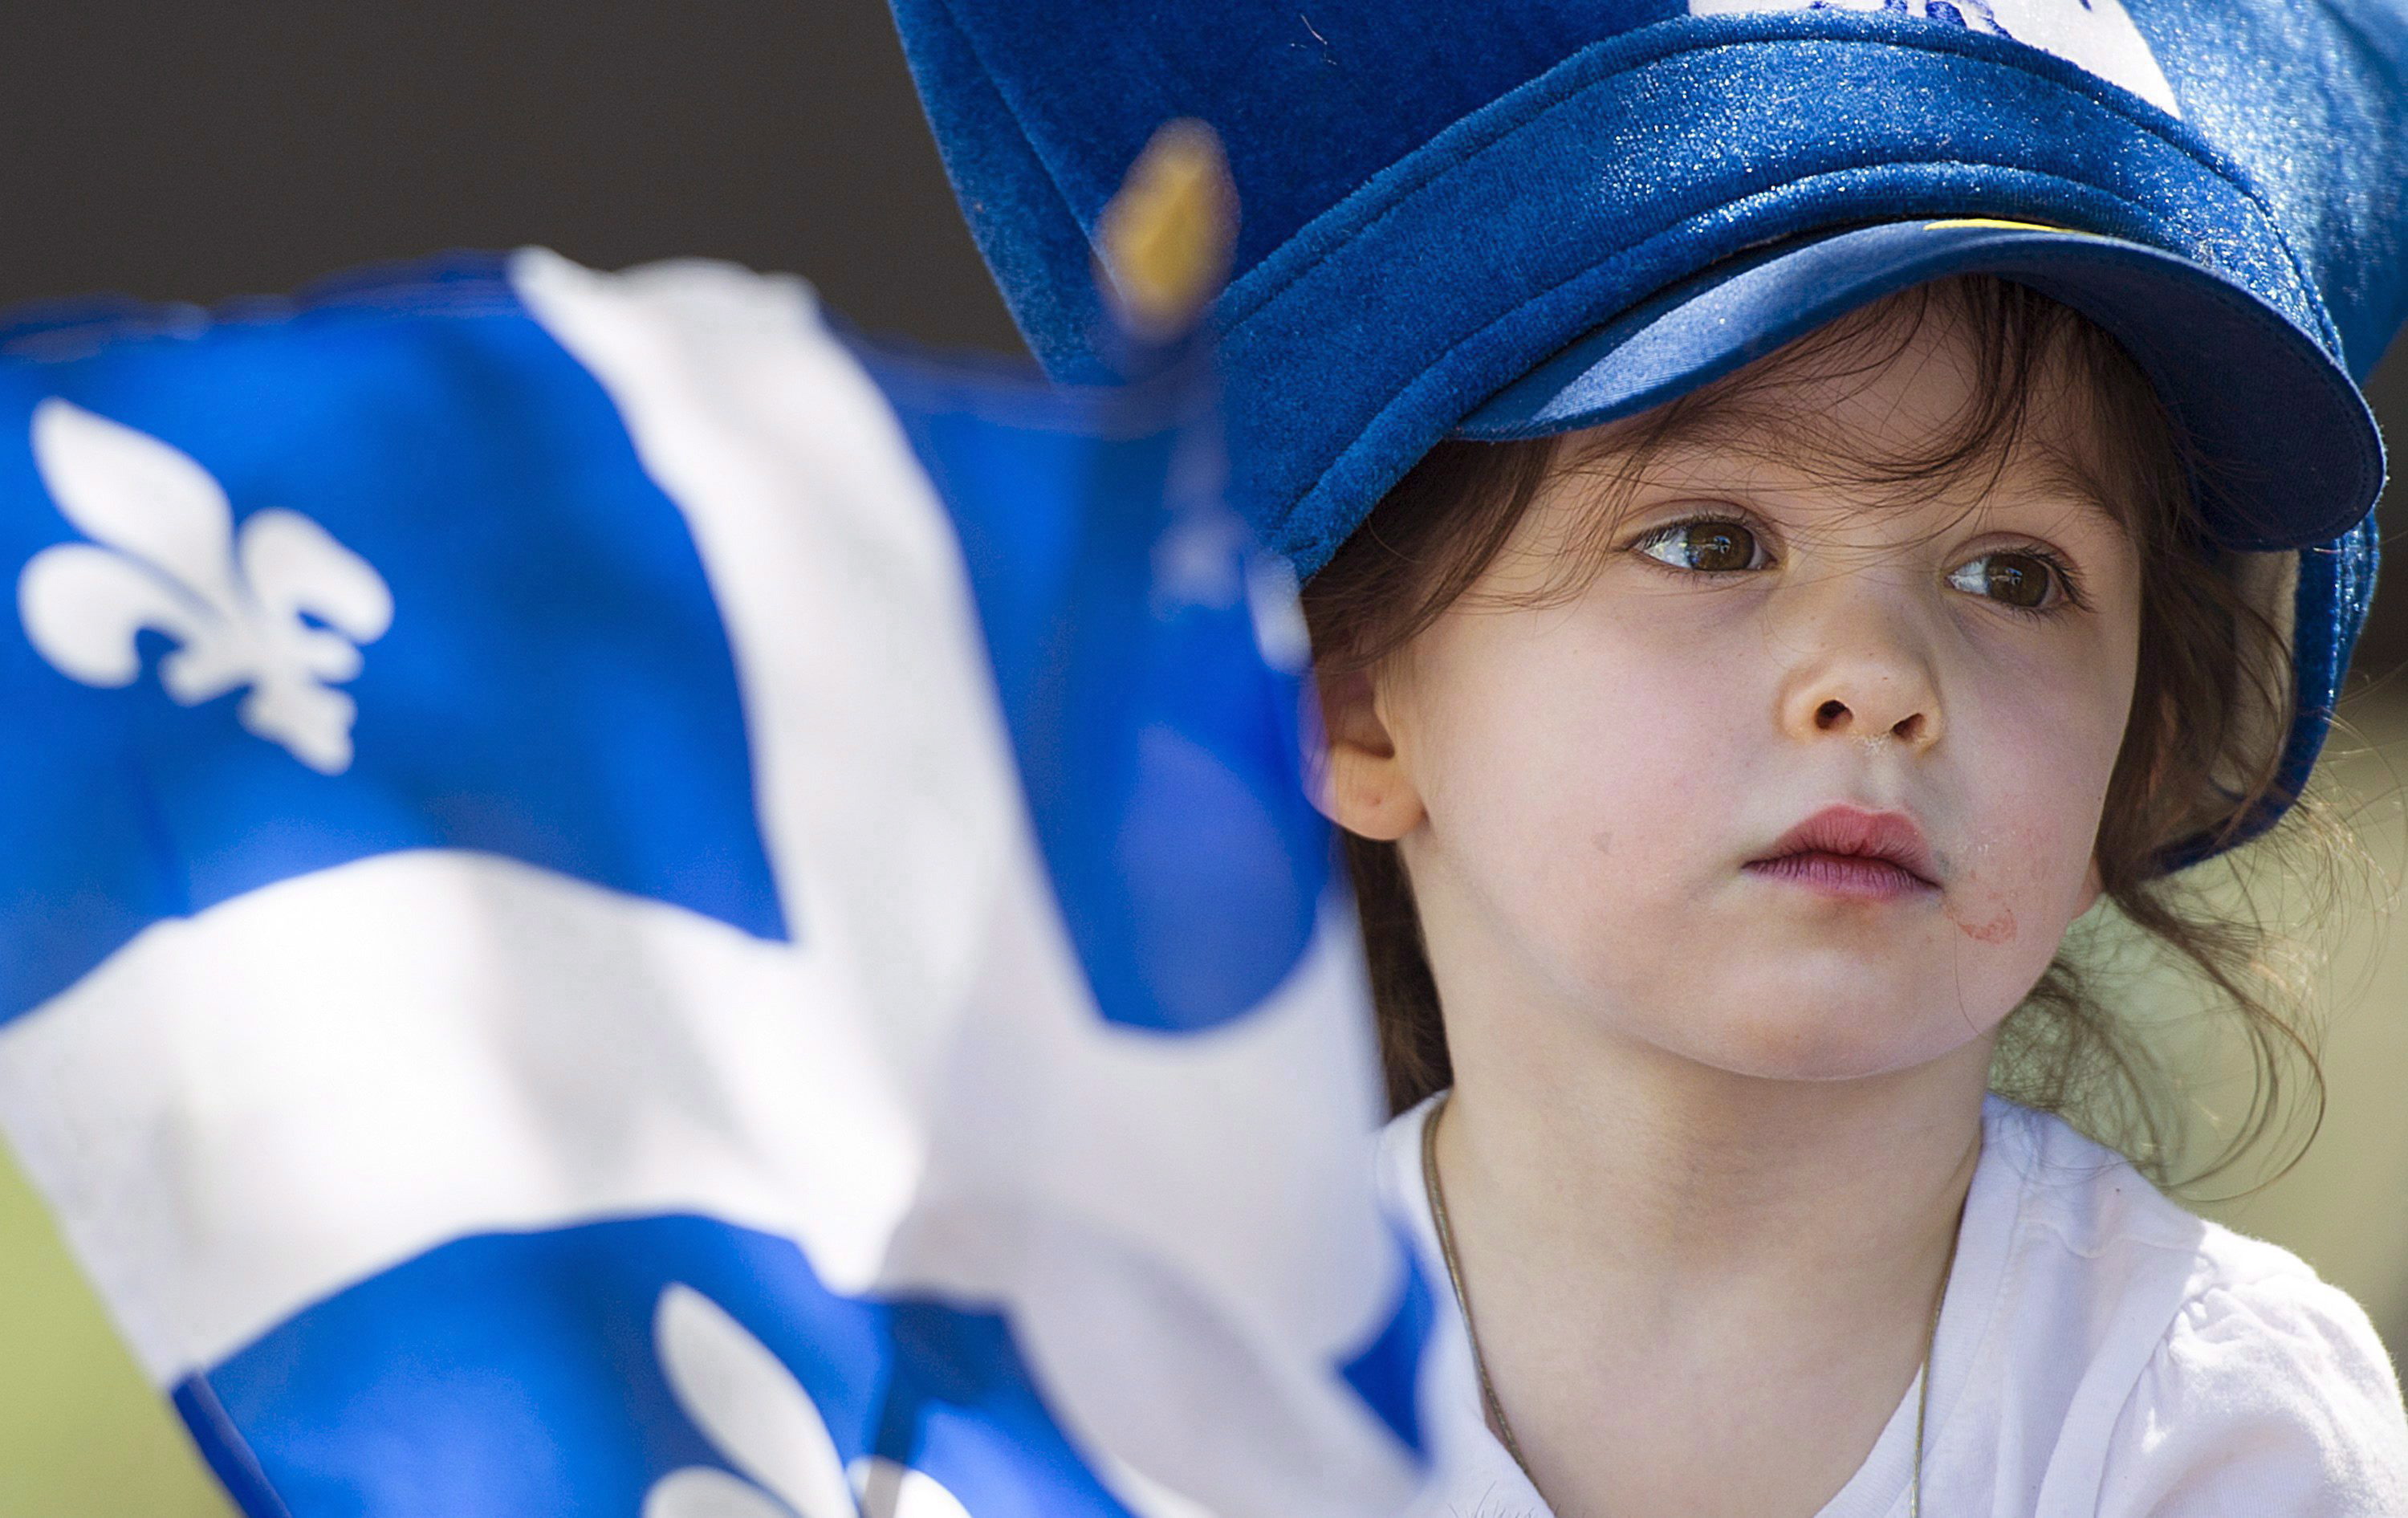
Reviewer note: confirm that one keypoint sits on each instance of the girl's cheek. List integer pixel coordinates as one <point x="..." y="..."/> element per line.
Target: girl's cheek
<point x="1572" y="758"/>
<point x="2037" y="786"/>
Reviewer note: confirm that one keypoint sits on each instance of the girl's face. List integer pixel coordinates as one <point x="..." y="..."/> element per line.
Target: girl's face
<point x="1801" y="783"/>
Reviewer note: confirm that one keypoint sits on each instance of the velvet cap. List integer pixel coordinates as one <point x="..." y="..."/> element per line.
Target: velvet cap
<point x="2293" y="447"/>
<point x="1447" y="205"/>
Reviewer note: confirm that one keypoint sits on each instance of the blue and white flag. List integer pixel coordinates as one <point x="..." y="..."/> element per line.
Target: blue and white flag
<point x="611" y="905"/>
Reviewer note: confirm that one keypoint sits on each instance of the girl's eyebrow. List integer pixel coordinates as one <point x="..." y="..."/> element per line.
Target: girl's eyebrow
<point x="2062" y="476"/>
<point x="2046" y="473"/>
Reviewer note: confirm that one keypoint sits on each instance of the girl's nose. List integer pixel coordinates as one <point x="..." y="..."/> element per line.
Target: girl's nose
<point x="1861" y="673"/>
<point x="1917" y="729"/>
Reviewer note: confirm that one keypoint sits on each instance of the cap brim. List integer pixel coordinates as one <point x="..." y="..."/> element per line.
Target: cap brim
<point x="2287" y="438"/>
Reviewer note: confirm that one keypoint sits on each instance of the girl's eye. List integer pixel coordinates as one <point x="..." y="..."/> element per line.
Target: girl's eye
<point x="2026" y="581"/>
<point x="1710" y="546"/>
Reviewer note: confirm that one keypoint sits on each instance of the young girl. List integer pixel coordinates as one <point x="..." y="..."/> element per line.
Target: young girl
<point x="1797" y="502"/>
<point x="1721" y="780"/>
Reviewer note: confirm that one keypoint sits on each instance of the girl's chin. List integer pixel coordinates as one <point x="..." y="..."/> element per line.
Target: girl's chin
<point x="1808" y="1032"/>
<point x="1826" y="1061"/>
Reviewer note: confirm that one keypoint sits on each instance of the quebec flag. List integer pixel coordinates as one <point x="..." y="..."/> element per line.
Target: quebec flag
<point x="613" y="904"/>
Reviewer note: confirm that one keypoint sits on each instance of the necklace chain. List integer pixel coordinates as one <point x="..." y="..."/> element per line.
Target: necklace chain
<point x="1496" y="1410"/>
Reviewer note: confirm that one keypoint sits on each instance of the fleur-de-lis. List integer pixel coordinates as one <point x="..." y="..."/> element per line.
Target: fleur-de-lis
<point x="765" y="1425"/>
<point x="281" y="609"/>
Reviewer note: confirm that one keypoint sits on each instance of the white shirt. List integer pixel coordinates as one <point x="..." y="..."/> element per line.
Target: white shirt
<point x="2102" y="1352"/>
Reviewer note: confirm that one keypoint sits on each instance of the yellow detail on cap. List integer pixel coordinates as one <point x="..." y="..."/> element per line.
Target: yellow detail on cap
<point x="1164" y="240"/>
<point x="2005" y="225"/>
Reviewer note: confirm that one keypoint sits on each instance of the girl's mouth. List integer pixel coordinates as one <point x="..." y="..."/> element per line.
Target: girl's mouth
<point x="1852" y="875"/>
<point x="1856" y="855"/>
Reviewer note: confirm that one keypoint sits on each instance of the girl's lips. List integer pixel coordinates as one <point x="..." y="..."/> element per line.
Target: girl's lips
<point x="1853" y="854"/>
<point x="1852" y="877"/>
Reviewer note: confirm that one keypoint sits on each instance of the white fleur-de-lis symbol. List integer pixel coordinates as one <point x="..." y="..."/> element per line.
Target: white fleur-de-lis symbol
<point x="281" y="609"/>
<point x="765" y="1425"/>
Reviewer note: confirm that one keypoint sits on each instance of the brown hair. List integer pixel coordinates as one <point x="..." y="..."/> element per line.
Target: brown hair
<point x="2202" y="747"/>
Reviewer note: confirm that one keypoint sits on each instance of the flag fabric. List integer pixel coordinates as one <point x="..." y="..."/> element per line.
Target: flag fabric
<point x="613" y="901"/>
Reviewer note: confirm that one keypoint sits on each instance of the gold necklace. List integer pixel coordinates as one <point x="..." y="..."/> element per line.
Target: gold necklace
<point x="1496" y="1410"/>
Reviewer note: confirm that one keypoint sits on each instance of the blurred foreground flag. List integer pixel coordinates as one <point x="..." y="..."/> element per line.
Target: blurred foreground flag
<point x="613" y="904"/>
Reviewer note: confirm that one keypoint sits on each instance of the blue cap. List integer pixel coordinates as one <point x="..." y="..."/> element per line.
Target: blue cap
<point x="1494" y="222"/>
<point x="2271" y="408"/>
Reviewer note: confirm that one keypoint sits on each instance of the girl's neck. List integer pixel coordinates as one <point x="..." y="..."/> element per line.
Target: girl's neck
<point x="1645" y="1164"/>
<point x="1696" y="1292"/>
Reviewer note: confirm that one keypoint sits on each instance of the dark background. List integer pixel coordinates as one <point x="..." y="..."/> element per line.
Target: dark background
<point x="199" y="151"/>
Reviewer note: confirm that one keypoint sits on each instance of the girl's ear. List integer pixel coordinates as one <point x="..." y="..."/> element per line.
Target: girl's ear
<point x="1360" y="781"/>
